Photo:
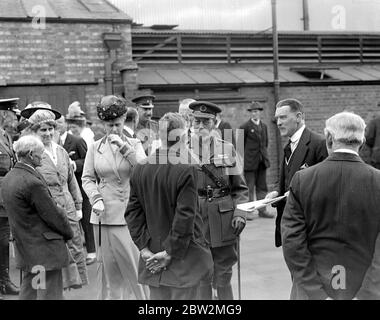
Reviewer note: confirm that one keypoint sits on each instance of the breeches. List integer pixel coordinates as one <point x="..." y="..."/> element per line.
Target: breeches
<point x="224" y="259"/>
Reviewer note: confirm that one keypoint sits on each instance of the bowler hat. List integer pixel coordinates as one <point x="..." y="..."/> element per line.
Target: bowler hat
<point x="255" y="105"/>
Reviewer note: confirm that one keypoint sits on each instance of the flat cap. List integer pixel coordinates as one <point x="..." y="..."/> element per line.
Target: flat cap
<point x="144" y="101"/>
<point x="111" y="107"/>
<point x="9" y="104"/>
<point x="204" y="109"/>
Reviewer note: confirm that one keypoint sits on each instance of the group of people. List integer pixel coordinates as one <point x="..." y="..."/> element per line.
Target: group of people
<point x="158" y="201"/>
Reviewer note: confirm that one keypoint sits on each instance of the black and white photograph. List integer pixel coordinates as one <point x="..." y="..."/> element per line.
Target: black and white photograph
<point x="201" y="152"/>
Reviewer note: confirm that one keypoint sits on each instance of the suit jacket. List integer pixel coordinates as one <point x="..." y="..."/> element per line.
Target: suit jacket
<point x="311" y="150"/>
<point x="62" y="183"/>
<point x="106" y="176"/>
<point x="7" y="161"/>
<point x="255" y="145"/>
<point x="226" y="135"/>
<point x="38" y="225"/>
<point x="162" y="214"/>
<point x="332" y="219"/>
<point x="373" y="141"/>
<point x="76" y="148"/>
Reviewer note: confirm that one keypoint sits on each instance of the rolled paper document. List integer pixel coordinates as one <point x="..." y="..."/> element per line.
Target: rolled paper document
<point x="255" y="205"/>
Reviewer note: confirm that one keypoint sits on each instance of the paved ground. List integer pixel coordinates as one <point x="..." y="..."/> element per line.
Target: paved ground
<point x="264" y="275"/>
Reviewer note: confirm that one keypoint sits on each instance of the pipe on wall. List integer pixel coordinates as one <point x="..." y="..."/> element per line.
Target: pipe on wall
<point x="108" y="78"/>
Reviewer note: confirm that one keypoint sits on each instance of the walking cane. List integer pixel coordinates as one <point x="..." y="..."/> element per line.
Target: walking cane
<point x="103" y="293"/>
<point x="239" y="282"/>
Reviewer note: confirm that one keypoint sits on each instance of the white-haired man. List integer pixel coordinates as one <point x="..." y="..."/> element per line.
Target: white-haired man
<point x="38" y="225"/>
<point x="331" y="220"/>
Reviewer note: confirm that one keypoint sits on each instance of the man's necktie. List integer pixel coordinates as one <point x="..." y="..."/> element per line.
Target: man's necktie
<point x="288" y="151"/>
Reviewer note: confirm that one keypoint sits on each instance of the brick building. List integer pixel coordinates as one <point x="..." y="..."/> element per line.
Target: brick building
<point x="62" y="51"/>
<point x="90" y="48"/>
<point x="329" y="72"/>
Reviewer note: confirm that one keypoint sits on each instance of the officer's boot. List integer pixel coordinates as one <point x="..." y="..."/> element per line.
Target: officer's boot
<point x="205" y="292"/>
<point x="225" y="292"/>
<point x="6" y="285"/>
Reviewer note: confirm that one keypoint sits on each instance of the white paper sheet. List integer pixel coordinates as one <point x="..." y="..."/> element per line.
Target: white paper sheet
<point x="254" y="205"/>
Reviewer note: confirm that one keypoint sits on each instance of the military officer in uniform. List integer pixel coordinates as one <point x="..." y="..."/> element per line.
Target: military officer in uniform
<point x="147" y="129"/>
<point x="7" y="161"/>
<point x="221" y="186"/>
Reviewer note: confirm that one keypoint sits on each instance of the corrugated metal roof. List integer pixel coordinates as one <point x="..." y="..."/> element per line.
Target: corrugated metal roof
<point x="359" y="73"/>
<point x="200" y="76"/>
<point x="62" y="9"/>
<point x="226" y="75"/>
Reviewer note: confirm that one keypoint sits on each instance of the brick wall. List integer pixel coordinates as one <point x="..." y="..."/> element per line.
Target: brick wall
<point x="61" y="53"/>
<point x="320" y="103"/>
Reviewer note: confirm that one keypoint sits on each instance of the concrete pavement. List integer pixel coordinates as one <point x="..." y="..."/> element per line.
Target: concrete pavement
<point x="264" y="275"/>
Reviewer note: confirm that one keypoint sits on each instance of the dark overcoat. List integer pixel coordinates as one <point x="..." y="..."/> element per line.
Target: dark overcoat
<point x="330" y="226"/>
<point x="162" y="214"/>
<point x="39" y="226"/>
<point x="255" y="145"/>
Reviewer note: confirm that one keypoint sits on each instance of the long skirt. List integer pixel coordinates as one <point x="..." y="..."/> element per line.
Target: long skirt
<point x="119" y="258"/>
<point x="76" y="248"/>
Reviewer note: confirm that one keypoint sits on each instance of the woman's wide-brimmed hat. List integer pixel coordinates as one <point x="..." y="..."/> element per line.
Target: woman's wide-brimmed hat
<point x="38" y="105"/>
<point x="111" y="107"/>
<point x="75" y="114"/>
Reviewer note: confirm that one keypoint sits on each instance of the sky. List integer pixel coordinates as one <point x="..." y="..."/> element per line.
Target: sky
<point x="325" y="15"/>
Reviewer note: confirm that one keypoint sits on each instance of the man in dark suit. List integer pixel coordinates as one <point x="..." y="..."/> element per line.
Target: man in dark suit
<point x="225" y="130"/>
<point x="256" y="160"/>
<point x="303" y="149"/>
<point x="373" y="141"/>
<point x="76" y="148"/>
<point x="164" y="221"/>
<point x="332" y="220"/>
<point x="7" y="161"/>
<point x="39" y="226"/>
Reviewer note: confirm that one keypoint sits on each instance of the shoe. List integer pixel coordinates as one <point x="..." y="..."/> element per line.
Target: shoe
<point x="266" y="214"/>
<point x="7" y="287"/>
<point x="90" y="260"/>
